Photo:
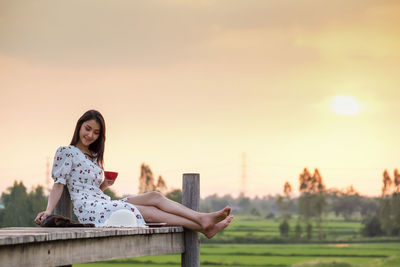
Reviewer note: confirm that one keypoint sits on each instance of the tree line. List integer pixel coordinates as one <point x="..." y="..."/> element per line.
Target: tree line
<point x="381" y="216"/>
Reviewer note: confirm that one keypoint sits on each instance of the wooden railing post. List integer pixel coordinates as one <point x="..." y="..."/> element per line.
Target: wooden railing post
<point x="64" y="206"/>
<point x="191" y="199"/>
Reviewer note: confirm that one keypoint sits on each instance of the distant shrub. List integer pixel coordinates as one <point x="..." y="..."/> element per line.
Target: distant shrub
<point x="270" y="215"/>
<point x="175" y="195"/>
<point x="298" y="231"/>
<point x="309" y="231"/>
<point x="284" y="228"/>
<point x="255" y="212"/>
<point x="372" y="227"/>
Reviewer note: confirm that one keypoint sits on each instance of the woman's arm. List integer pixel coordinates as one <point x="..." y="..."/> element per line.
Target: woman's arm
<point x="54" y="197"/>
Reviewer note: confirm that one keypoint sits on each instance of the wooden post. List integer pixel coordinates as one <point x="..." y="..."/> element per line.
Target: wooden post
<point x="64" y="206"/>
<point x="191" y="199"/>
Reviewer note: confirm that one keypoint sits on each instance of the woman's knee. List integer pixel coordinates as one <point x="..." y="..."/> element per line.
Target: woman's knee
<point x="155" y="195"/>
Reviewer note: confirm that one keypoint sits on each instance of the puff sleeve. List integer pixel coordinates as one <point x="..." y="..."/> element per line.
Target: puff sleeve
<point x="62" y="165"/>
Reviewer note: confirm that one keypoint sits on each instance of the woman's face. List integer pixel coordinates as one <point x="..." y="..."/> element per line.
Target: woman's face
<point x="89" y="132"/>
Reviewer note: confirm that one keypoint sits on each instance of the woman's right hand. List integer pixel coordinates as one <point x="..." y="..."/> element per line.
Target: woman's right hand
<point x="41" y="216"/>
<point x="54" y="196"/>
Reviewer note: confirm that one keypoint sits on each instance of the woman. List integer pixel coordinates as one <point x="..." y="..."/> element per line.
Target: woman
<point x="80" y="167"/>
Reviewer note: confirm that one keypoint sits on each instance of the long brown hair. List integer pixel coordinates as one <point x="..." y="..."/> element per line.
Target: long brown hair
<point x="97" y="146"/>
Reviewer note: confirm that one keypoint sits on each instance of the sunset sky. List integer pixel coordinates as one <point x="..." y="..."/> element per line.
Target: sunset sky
<point x="189" y="86"/>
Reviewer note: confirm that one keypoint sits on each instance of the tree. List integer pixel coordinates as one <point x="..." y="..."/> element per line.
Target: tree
<point x="387" y="184"/>
<point x="146" y="179"/>
<point x="298" y="231"/>
<point x="312" y="201"/>
<point x="161" y="185"/>
<point x="372" y="227"/>
<point x="15" y="206"/>
<point x="175" y="195"/>
<point x="369" y="206"/>
<point x="305" y="201"/>
<point x="270" y="215"/>
<point x="285" y="202"/>
<point x="395" y="205"/>
<point x="396" y="181"/>
<point x="20" y="208"/>
<point x="309" y="231"/>
<point x="386" y="207"/>
<point x="255" y="212"/>
<point x="37" y="202"/>
<point x="320" y="201"/>
<point x="147" y="182"/>
<point x="346" y="202"/>
<point x="284" y="228"/>
<point x="244" y="203"/>
<point x="213" y="203"/>
<point x="390" y="203"/>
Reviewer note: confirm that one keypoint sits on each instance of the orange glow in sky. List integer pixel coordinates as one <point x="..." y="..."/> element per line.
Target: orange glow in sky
<point x="191" y="86"/>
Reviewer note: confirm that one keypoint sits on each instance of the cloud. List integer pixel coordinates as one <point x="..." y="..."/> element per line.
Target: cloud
<point x="141" y="33"/>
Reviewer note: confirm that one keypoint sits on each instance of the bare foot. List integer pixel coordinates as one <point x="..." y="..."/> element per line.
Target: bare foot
<point x="210" y="233"/>
<point x="212" y="218"/>
<point x="227" y="210"/>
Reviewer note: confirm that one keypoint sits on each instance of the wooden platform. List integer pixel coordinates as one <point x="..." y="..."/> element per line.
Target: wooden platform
<point x="33" y="246"/>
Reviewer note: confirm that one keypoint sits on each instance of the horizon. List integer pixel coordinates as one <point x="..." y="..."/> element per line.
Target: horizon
<point x="295" y="193"/>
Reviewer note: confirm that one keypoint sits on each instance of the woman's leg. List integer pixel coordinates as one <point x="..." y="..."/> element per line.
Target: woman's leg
<point x="153" y="214"/>
<point x="205" y="220"/>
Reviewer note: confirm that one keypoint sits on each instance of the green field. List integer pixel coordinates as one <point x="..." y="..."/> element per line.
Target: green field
<point x="265" y="231"/>
<point x="357" y="252"/>
<point x="375" y="254"/>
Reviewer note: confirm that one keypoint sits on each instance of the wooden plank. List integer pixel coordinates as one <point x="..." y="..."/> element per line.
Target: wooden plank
<point x="191" y="199"/>
<point x="21" y="235"/>
<point x="74" y="251"/>
<point x="63" y="251"/>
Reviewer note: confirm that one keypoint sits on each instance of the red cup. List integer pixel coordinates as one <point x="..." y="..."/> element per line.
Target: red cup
<point x="110" y="175"/>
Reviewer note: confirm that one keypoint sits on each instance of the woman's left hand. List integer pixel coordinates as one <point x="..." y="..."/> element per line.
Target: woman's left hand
<point x="108" y="182"/>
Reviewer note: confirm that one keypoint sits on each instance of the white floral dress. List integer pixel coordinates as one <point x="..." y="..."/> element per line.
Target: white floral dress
<point x="83" y="178"/>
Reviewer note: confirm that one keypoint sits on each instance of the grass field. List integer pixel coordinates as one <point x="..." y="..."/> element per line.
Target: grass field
<point x="265" y="230"/>
<point x="368" y="252"/>
<point x="375" y="254"/>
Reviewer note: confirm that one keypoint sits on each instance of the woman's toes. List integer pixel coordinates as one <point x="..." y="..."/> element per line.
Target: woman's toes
<point x="227" y="210"/>
<point x="209" y="220"/>
<point x="218" y="227"/>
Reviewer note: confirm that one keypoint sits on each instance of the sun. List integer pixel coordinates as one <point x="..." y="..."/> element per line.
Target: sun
<point x="345" y="105"/>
